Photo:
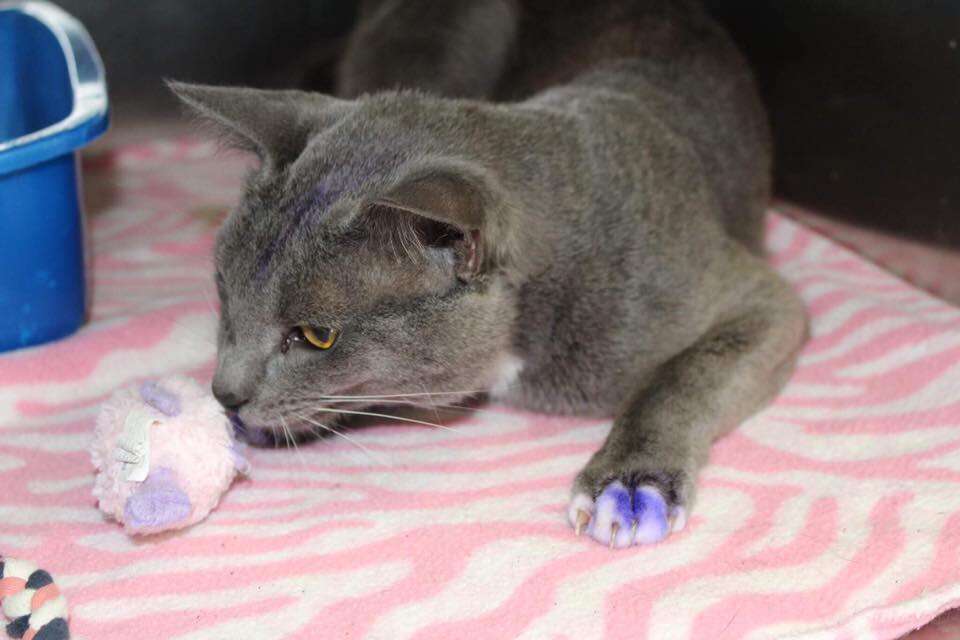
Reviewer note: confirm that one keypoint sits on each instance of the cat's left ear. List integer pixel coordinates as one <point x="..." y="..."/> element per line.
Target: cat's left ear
<point x="275" y="125"/>
<point x="440" y="208"/>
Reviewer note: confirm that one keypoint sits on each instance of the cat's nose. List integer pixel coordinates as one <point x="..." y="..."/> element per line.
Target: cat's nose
<point x="230" y="400"/>
<point x="235" y="382"/>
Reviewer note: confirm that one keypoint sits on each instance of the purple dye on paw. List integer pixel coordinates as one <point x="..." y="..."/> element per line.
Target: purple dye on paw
<point x="158" y="502"/>
<point x="613" y="516"/>
<point x="650" y="511"/>
<point x="164" y="401"/>
<point x="622" y="497"/>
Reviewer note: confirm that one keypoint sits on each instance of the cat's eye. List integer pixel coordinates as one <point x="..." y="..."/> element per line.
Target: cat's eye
<point x="321" y="338"/>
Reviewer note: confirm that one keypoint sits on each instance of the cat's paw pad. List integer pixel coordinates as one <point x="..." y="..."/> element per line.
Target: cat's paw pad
<point x="623" y="516"/>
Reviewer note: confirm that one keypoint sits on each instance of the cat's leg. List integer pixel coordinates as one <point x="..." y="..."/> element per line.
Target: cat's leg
<point x="454" y="48"/>
<point x="640" y="485"/>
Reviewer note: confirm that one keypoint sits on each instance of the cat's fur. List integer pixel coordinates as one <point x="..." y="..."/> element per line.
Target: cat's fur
<point x="583" y="234"/>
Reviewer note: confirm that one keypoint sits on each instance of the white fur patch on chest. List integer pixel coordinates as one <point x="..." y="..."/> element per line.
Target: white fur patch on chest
<point x="505" y="375"/>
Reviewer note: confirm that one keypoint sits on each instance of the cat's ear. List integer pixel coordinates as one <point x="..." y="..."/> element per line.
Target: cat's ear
<point x="443" y="209"/>
<point x="273" y="124"/>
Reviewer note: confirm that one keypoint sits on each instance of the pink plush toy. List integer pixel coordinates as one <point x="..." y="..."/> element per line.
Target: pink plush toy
<point x="164" y="455"/>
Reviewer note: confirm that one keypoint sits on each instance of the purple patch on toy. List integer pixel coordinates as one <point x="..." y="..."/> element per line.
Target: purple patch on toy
<point x="159" y="502"/>
<point x="160" y="399"/>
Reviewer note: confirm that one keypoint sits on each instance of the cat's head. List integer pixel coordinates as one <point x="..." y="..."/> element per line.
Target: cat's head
<point x="364" y="257"/>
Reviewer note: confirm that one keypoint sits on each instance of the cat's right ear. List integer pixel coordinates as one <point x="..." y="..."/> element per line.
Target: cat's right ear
<point x="275" y="125"/>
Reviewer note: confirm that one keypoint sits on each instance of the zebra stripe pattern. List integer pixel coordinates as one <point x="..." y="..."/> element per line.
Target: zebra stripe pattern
<point x="832" y="515"/>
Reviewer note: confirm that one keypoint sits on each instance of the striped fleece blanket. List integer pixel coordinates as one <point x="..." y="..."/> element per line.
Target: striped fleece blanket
<point x="834" y="514"/>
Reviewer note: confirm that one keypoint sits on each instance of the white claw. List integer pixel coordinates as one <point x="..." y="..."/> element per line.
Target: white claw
<point x="579" y="503"/>
<point x="583" y="519"/>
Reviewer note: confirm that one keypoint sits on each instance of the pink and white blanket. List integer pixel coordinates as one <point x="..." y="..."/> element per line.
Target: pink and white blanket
<point x="834" y="514"/>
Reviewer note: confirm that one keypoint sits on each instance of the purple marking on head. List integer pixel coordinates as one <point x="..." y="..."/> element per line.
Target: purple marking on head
<point x="158" y="503"/>
<point x="164" y="401"/>
<point x="315" y="202"/>
<point x="310" y="208"/>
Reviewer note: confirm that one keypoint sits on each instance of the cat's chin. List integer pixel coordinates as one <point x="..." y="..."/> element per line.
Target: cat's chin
<point x="269" y="436"/>
<point x="277" y="438"/>
<point x="290" y="432"/>
<point x="254" y="435"/>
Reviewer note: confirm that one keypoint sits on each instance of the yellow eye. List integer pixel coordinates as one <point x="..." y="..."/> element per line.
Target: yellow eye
<point x="319" y="337"/>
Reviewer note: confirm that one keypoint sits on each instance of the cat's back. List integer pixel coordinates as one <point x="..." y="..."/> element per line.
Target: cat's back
<point x="557" y="41"/>
<point x="677" y="64"/>
<point x="669" y="57"/>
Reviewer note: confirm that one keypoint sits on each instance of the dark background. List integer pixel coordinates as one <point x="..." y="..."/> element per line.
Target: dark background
<point x="864" y="95"/>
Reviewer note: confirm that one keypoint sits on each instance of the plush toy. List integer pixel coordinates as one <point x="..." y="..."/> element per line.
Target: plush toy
<point x="164" y="455"/>
<point x="32" y="602"/>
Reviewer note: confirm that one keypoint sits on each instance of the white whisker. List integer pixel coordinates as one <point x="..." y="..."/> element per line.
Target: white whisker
<point x="286" y="434"/>
<point x="388" y="416"/>
<point x="352" y="441"/>
<point x="411" y="403"/>
<point x="291" y="439"/>
<point x="404" y="395"/>
<point x="436" y="414"/>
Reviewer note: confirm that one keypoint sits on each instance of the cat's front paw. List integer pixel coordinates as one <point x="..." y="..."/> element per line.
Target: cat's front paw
<point x="627" y="511"/>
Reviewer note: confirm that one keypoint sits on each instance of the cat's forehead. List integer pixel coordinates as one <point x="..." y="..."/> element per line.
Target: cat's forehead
<point x="350" y="279"/>
<point x="276" y="218"/>
<point x="296" y="261"/>
<point x="333" y="279"/>
<point x="299" y="211"/>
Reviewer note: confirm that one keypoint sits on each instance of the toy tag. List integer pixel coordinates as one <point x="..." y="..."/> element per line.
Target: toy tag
<point x="133" y="447"/>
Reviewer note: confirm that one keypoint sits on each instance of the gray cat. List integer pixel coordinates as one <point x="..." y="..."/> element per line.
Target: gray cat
<point x="559" y="204"/>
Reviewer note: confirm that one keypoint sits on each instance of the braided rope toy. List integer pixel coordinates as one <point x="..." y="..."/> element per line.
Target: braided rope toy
<point x="32" y="602"/>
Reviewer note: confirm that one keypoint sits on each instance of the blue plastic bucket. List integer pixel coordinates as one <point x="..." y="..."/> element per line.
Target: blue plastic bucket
<point x="53" y="100"/>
